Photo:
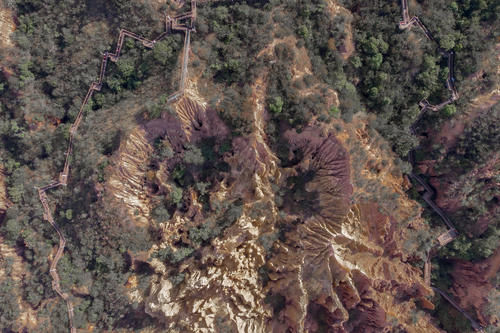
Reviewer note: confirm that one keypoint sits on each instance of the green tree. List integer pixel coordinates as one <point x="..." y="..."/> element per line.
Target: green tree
<point x="356" y="62"/>
<point x="375" y="61"/>
<point x="69" y="214"/>
<point x="163" y="51"/>
<point x="334" y="111"/>
<point x="449" y="110"/>
<point x="175" y="194"/>
<point x="193" y="155"/>
<point x="276" y="106"/>
<point x="201" y="234"/>
<point x="126" y="67"/>
<point x="447" y="42"/>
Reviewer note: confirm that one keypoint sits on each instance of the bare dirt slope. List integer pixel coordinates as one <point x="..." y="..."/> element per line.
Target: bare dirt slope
<point x="334" y="258"/>
<point x="7" y="26"/>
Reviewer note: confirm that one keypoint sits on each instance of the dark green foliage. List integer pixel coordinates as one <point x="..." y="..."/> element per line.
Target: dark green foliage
<point x="477" y="195"/>
<point x="450" y="318"/>
<point x="296" y="197"/>
<point x="476" y="248"/>
<point x="175" y="195"/>
<point x="9" y="308"/>
<point x="231" y="216"/>
<point x="449" y="110"/>
<point x="420" y="243"/>
<point x="276" y="106"/>
<point x="154" y="109"/>
<point x="267" y="240"/>
<point x="162" y="150"/>
<point x="231" y="56"/>
<point x="58" y="53"/>
<point x="276" y="301"/>
<point x="177" y="279"/>
<point x="161" y="214"/>
<point x="201" y="234"/>
<point x="394" y="79"/>
<point x="173" y="256"/>
<point x="479" y="140"/>
<point x="193" y="155"/>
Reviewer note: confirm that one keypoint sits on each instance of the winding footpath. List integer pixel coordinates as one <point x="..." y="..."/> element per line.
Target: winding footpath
<point x="429" y="192"/>
<point x="183" y="22"/>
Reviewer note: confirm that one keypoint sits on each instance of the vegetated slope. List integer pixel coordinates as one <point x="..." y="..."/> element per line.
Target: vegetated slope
<point x="476" y="286"/>
<point x="39" y="100"/>
<point x="267" y="244"/>
<point x="460" y="158"/>
<point x="244" y="231"/>
<point x="259" y="202"/>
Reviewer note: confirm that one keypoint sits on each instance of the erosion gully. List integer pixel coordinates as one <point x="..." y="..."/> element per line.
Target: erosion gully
<point x="185" y="22"/>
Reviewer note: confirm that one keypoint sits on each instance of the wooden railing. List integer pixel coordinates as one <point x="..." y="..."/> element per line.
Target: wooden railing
<point x="429" y="192"/>
<point x="171" y="24"/>
<point x="450" y="81"/>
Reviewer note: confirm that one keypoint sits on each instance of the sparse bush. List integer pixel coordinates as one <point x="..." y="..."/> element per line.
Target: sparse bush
<point x="193" y="155"/>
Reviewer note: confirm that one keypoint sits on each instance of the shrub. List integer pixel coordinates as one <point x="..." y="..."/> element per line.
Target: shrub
<point x="175" y="194"/>
<point x="449" y="110"/>
<point x="276" y="106"/>
<point x="193" y="155"/>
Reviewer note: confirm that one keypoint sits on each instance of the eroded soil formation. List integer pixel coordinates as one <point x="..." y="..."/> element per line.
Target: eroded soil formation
<point x="278" y="243"/>
<point x="265" y="222"/>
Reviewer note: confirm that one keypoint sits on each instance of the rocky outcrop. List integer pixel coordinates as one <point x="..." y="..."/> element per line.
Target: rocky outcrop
<point x="300" y="265"/>
<point x="191" y="122"/>
<point x="7" y="26"/>
<point x="333" y="269"/>
<point x="219" y="291"/>
<point x="319" y="241"/>
<point x="4" y="200"/>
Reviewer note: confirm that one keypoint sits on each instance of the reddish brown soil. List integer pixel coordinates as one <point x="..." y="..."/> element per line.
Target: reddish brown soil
<point x="473" y="284"/>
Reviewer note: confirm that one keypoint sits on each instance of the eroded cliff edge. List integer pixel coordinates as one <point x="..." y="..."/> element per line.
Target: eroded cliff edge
<point x="290" y="240"/>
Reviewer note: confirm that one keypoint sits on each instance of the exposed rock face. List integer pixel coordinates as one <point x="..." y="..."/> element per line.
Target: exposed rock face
<point x="192" y="122"/>
<point x="312" y="247"/>
<point x="220" y="291"/>
<point x="126" y="182"/>
<point x="333" y="269"/>
<point x="221" y="288"/>
<point x="318" y="244"/>
<point x="474" y="287"/>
